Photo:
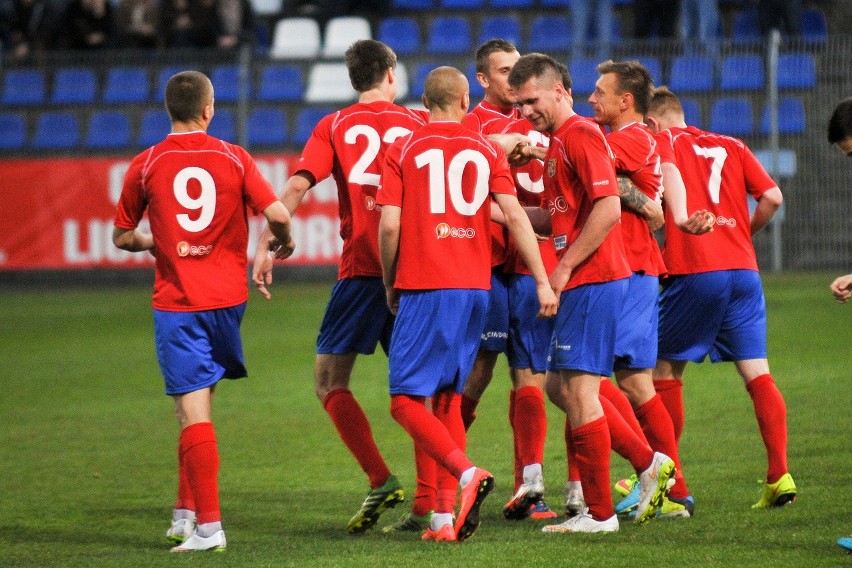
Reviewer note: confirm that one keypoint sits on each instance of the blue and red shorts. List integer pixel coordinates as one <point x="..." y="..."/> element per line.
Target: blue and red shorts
<point x="636" y="339"/>
<point x="356" y="318"/>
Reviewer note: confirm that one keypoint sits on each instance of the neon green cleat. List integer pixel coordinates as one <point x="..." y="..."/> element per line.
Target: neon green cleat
<point x="409" y="523"/>
<point x="377" y="502"/>
<point x="624" y="486"/>
<point x="777" y="494"/>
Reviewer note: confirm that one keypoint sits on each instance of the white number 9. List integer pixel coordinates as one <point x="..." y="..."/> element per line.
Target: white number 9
<point x="206" y="202"/>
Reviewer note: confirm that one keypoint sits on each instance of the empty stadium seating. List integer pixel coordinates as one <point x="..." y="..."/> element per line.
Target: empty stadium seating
<point x="108" y="129"/>
<point x="56" y="130"/>
<point x="13" y="131"/>
<point x="732" y="115"/>
<point x="23" y="87"/>
<point x="74" y="85"/>
<point x="295" y="38"/>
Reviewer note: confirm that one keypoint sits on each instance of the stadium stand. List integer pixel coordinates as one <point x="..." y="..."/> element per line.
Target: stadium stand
<point x="691" y="74"/>
<point x="742" y="72"/>
<point x="56" y="130"/>
<point x="449" y="35"/>
<point x="227" y="84"/>
<point x="295" y="38"/>
<point x="549" y="33"/>
<point x="341" y="32"/>
<point x="224" y="126"/>
<point x="504" y="26"/>
<point x="733" y="116"/>
<point x="692" y="112"/>
<point x="280" y="83"/>
<point x="329" y="82"/>
<point x="23" y="87"/>
<point x="126" y="84"/>
<point x="814" y="25"/>
<point x="108" y="129"/>
<point x="461" y="4"/>
<point x="401" y="33"/>
<point x="306" y="119"/>
<point x="791" y="116"/>
<point x="13" y="131"/>
<point x="796" y="71"/>
<point x="162" y="77"/>
<point x="267" y="126"/>
<point x="74" y="85"/>
<point x="153" y="127"/>
<point x="584" y="74"/>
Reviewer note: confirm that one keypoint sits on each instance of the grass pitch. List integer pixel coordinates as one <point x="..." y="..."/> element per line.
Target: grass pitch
<point x="88" y="448"/>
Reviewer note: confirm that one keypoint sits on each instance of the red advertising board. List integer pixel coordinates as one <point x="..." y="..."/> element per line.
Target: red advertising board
<point x="58" y="213"/>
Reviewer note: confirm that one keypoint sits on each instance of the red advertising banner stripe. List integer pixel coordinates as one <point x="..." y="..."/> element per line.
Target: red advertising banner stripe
<point x="58" y="213"/>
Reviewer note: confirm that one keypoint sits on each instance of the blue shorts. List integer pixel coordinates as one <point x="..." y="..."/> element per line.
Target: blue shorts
<point x="585" y="327"/>
<point x="356" y="318"/>
<point x="720" y="313"/>
<point x="636" y="339"/>
<point x="197" y="349"/>
<point x="496" y="332"/>
<point x="529" y="336"/>
<point x="435" y="340"/>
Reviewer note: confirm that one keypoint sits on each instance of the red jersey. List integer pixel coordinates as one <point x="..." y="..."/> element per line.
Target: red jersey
<point x="350" y="145"/>
<point x="196" y="189"/>
<point x="636" y="157"/>
<point x="578" y="169"/>
<point x="489" y="119"/>
<point x="719" y="173"/>
<point x="442" y="176"/>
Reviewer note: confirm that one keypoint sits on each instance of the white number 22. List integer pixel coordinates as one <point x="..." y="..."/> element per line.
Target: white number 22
<point x="205" y="202"/>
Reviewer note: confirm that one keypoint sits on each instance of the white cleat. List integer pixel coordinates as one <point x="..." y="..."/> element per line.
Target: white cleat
<point x="181" y="530"/>
<point x="216" y="543"/>
<point x="654" y="484"/>
<point x="526" y="496"/>
<point x="584" y="523"/>
<point x="574" y="500"/>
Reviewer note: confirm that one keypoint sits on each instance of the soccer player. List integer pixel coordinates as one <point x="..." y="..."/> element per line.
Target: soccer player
<point x="196" y="189"/>
<point x="591" y="278"/>
<point x="350" y="145"/>
<point x="840" y="133"/>
<point x="620" y="100"/>
<point x="512" y="326"/>
<point x="712" y="301"/>
<point x="435" y="247"/>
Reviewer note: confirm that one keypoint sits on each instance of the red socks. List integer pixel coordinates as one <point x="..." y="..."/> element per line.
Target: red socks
<point x="200" y="456"/>
<point x="354" y="429"/>
<point x="530" y="424"/>
<point x="619" y="400"/>
<point x="592" y="446"/>
<point x="671" y="391"/>
<point x="426" y="490"/>
<point x="659" y="430"/>
<point x="624" y="440"/>
<point x="185" y="500"/>
<point x="771" y="412"/>
<point x="518" y="465"/>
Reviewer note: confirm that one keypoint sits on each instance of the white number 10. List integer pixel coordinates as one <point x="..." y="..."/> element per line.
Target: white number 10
<point x="206" y="201"/>
<point x="453" y="180"/>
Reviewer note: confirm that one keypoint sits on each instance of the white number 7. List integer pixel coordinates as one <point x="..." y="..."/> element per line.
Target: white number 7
<point x="718" y="155"/>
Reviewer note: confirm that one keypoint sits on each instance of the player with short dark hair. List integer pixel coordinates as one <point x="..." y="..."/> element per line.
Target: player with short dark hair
<point x="437" y="186"/>
<point x="840" y="133"/>
<point x="712" y="301"/>
<point x="350" y="145"/>
<point x="591" y="278"/>
<point x="196" y="189"/>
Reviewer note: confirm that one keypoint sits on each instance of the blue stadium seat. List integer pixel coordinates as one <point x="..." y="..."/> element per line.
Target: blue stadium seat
<point x="746" y="28"/>
<point x="652" y="64"/>
<point x="56" y="130"/>
<point x="420" y="72"/>
<point x="108" y="129"/>
<point x="691" y="112"/>
<point x="461" y="4"/>
<point x="814" y="26"/>
<point x="742" y="73"/>
<point x="584" y="108"/>
<point x="223" y="126"/>
<point x="402" y="34"/>
<point x="227" y="84"/>
<point x="163" y="76"/>
<point x="13" y="131"/>
<point x="74" y="85"/>
<point x="511" y="4"/>
<point x="476" y="90"/>
<point x="733" y="116"/>
<point x="506" y="27"/>
<point x="449" y="35"/>
<point x="584" y="75"/>
<point x="154" y="127"/>
<point x="549" y="33"/>
<point x="267" y="127"/>
<point x="691" y="74"/>
<point x="306" y="120"/>
<point x="791" y="116"/>
<point x="23" y="87"/>
<point x="413" y="5"/>
<point x="279" y="83"/>
<point x="555" y="3"/>
<point x="796" y="71"/>
<point x="127" y="85"/>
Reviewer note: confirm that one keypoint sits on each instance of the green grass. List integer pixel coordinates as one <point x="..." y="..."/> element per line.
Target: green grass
<point x="88" y="447"/>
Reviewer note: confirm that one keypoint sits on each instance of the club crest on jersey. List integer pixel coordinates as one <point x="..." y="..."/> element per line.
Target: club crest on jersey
<point x="370" y="201"/>
<point x="443" y="231"/>
<point x="551" y="167"/>
<point x="185" y="249"/>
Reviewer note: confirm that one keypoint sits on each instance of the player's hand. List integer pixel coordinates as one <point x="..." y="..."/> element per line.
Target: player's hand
<point x="520" y="155"/>
<point x="698" y="223"/>
<point x="508" y="141"/>
<point x="283" y="251"/>
<point x="261" y="273"/>
<point x="548" y="301"/>
<point x="559" y="279"/>
<point x="654" y="216"/>
<point x="392" y="299"/>
<point x="842" y="288"/>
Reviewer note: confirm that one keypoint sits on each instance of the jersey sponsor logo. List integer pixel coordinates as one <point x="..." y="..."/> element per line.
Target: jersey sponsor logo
<point x="725" y="221"/>
<point x="443" y="231"/>
<point x="558" y="204"/>
<point x="560" y="241"/>
<point x="551" y="167"/>
<point x="185" y="249"/>
<point x="601" y="182"/>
